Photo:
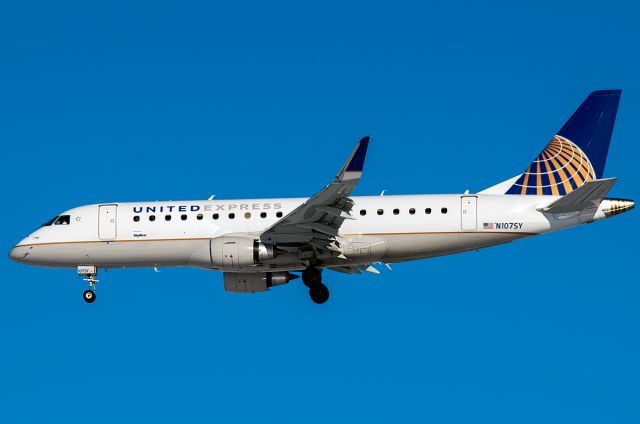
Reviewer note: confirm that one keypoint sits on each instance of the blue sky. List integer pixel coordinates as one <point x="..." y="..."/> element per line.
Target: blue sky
<point x="180" y="100"/>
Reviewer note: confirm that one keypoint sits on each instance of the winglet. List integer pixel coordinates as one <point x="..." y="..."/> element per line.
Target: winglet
<point x="355" y="163"/>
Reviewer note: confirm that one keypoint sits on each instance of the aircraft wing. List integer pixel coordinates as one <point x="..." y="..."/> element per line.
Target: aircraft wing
<point x="590" y="195"/>
<point x="317" y="221"/>
<point x="355" y="269"/>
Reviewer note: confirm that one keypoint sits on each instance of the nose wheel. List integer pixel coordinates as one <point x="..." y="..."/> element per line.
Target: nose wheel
<point x="90" y="272"/>
<point x="89" y="296"/>
<point x="312" y="278"/>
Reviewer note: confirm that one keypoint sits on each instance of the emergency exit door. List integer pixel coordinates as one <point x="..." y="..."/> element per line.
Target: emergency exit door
<point x="469" y="213"/>
<point x="107" y="222"/>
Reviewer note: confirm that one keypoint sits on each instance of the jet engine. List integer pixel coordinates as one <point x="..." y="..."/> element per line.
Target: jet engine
<point x="251" y="282"/>
<point x="236" y="252"/>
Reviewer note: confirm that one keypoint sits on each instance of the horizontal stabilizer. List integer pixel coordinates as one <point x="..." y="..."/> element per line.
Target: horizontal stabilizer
<point x="587" y="196"/>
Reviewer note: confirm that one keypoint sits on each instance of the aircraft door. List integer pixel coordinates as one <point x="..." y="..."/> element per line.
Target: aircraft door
<point x="107" y="222"/>
<point x="469" y="213"/>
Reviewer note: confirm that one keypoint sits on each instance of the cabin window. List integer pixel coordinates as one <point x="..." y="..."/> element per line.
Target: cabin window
<point x="279" y="214"/>
<point x="167" y="217"/>
<point x="427" y="211"/>
<point x="216" y="216"/>
<point x="183" y="217"/>
<point x="152" y="217"/>
<point x="263" y="214"/>
<point x="443" y="210"/>
<point x="247" y="215"/>
<point x="380" y="211"/>
<point x="396" y="211"/>
<point x="49" y="222"/>
<point x="232" y="215"/>
<point x="199" y="217"/>
<point x="63" y="220"/>
<point x="136" y="218"/>
<point x="363" y="212"/>
<point x="412" y="211"/>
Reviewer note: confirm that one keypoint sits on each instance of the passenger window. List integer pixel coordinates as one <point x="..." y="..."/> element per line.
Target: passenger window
<point x="232" y="215"/>
<point x="363" y="212"/>
<point x="199" y="217"/>
<point x="167" y="217"/>
<point x="183" y="217"/>
<point x="216" y="216"/>
<point x="380" y="211"/>
<point x="152" y="217"/>
<point x="63" y="220"/>
<point x="263" y="214"/>
<point x="279" y="214"/>
<point x="443" y="210"/>
<point x="412" y="211"/>
<point x="396" y="211"/>
<point x="247" y="215"/>
<point x="427" y="211"/>
<point x="136" y="218"/>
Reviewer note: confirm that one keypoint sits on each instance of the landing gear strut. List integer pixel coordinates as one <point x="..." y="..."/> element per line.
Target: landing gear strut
<point x="90" y="272"/>
<point x="312" y="278"/>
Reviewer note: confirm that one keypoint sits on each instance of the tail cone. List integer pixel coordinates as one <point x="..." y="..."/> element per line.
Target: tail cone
<point x="612" y="207"/>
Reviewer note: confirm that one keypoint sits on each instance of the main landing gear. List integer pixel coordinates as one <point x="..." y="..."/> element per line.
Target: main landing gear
<point x="90" y="272"/>
<point x="312" y="278"/>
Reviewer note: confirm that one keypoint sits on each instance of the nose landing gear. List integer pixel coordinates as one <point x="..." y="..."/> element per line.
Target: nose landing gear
<point x="90" y="272"/>
<point x="312" y="278"/>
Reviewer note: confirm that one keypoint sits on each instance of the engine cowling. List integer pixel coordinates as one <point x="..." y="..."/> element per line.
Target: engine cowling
<point x="237" y="252"/>
<point x="252" y="282"/>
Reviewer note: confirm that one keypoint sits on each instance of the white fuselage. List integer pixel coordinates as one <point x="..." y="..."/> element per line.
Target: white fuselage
<point x="391" y="229"/>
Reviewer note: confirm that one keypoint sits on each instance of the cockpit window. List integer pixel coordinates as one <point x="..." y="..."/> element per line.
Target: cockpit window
<point x="49" y="222"/>
<point x="62" y="220"/>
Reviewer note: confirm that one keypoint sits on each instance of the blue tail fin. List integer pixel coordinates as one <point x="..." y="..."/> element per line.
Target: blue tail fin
<point x="578" y="152"/>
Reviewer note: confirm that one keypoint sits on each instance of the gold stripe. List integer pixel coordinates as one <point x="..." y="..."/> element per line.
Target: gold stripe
<point x="111" y="241"/>
<point x="578" y="162"/>
<point x="563" y="176"/>
<point x="538" y="180"/>
<point x="526" y="181"/>
<point x="204" y="238"/>
<point x="552" y="178"/>
<point x="572" y="160"/>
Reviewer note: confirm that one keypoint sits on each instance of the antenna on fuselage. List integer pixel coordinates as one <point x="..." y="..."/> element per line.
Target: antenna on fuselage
<point x="211" y="197"/>
<point x="382" y="193"/>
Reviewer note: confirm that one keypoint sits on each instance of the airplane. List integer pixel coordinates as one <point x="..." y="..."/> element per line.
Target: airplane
<point x="259" y="243"/>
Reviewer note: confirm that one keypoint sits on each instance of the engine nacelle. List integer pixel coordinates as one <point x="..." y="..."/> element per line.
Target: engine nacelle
<point x="237" y="252"/>
<point x="252" y="282"/>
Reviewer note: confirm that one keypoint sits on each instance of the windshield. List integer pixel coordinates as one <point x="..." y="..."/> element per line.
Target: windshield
<point x="46" y="224"/>
<point x="63" y="220"/>
<point x="58" y="220"/>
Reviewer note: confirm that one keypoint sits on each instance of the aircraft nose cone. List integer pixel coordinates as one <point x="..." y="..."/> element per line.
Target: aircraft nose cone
<point x="19" y="253"/>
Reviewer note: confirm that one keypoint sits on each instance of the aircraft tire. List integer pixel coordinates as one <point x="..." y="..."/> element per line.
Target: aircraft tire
<point x="319" y="293"/>
<point x="89" y="296"/>
<point x="311" y="276"/>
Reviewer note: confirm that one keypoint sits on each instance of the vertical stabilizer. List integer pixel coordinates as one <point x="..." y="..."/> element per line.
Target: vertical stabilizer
<point x="577" y="153"/>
